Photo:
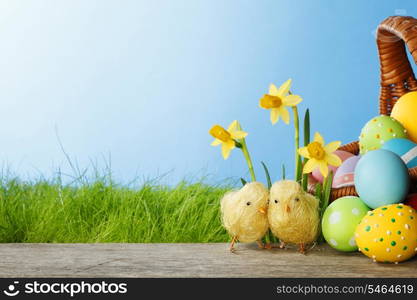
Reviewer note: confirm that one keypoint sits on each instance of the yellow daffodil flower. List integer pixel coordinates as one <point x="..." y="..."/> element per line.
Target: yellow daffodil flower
<point x="320" y="155"/>
<point x="277" y="100"/>
<point x="227" y="138"/>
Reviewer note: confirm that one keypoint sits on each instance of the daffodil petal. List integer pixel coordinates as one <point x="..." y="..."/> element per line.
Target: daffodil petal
<point x="284" y="88"/>
<point x="274" y="115"/>
<point x="304" y="152"/>
<point x="285" y="115"/>
<point x="238" y="134"/>
<point x="318" y="138"/>
<point x="310" y="165"/>
<point x="324" y="169"/>
<point x="225" y="151"/>
<point x="333" y="159"/>
<point x="332" y="147"/>
<point x="226" y="148"/>
<point x="233" y="126"/>
<point x="273" y="90"/>
<point x="216" y="142"/>
<point x="291" y="100"/>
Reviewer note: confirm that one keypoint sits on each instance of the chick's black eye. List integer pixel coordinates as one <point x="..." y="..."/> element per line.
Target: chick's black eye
<point x="248" y="203"/>
<point x="297" y="199"/>
<point x="276" y="201"/>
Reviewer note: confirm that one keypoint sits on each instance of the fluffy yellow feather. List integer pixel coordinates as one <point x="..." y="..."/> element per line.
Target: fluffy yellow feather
<point x="293" y="214"/>
<point x="244" y="213"/>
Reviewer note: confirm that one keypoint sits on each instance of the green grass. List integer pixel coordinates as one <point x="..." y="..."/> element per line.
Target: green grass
<point x="50" y="212"/>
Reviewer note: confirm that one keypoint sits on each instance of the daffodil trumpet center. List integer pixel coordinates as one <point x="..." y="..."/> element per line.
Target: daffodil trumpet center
<point x="220" y="133"/>
<point x="269" y="102"/>
<point x="316" y="151"/>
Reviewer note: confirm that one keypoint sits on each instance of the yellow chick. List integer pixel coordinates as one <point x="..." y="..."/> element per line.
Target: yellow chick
<point x="293" y="214"/>
<point x="244" y="213"/>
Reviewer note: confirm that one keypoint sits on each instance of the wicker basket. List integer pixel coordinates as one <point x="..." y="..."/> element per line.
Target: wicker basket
<point x="397" y="77"/>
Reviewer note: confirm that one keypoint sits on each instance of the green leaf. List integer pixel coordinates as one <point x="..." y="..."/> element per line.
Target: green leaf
<point x="327" y="192"/>
<point x="307" y="127"/>
<point x="267" y="237"/>
<point x="268" y="178"/>
<point x="305" y="179"/>
<point x="283" y="172"/>
<point x="318" y="193"/>
<point x="274" y="239"/>
<point x="323" y="193"/>
<point x="243" y="181"/>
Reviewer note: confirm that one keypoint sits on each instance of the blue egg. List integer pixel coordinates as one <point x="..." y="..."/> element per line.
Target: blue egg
<point x="404" y="148"/>
<point x="381" y="178"/>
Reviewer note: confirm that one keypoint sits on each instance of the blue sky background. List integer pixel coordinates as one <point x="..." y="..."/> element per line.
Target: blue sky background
<point x="143" y="81"/>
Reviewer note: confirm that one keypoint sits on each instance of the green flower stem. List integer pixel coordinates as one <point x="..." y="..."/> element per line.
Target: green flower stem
<point x="248" y="159"/>
<point x="305" y="177"/>
<point x="242" y="145"/>
<point x="306" y="142"/>
<point x="297" y="144"/>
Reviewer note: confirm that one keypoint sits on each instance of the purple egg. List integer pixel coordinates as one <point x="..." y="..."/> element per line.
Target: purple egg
<point x="345" y="173"/>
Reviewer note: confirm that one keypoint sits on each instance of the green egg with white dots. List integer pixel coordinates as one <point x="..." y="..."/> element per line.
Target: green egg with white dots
<point x="378" y="131"/>
<point x="340" y="220"/>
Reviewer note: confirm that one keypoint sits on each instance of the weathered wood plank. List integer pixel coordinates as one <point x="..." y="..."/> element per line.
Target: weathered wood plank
<point x="187" y="260"/>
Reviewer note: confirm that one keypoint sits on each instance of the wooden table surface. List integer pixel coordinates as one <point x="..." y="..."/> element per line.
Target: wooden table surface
<point x="187" y="260"/>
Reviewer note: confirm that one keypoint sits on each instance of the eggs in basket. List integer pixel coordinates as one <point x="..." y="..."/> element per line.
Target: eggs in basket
<point x="388" y="233"/>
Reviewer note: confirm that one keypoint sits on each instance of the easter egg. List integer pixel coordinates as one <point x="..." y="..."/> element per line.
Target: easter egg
<point x="388" y="233"/>
<point x="343" y="155"/>
<point x="381" y="178"/>
<point x="340" y="220"/>
<point x="404" y="148"/>
<point x="378" y="131"/>
<point x="411" y="200"/>
<point x="344" y="175"/>
<point x="405" y="111"/>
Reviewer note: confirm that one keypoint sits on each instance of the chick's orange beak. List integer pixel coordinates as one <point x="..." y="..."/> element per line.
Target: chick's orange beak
<point x="288" y="209"/>
<point x="262" y="210"/>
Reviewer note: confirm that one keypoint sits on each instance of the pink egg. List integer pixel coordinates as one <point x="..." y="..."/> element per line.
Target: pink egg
<point x="344" y="175"/>
<point x="343" y="156"/>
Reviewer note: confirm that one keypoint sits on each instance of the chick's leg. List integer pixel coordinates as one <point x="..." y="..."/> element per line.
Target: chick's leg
<point x="302" y="248"/>
<point x="260" y="244"/>
<point x="232" y="244"/>
<point x="281" y="245"/>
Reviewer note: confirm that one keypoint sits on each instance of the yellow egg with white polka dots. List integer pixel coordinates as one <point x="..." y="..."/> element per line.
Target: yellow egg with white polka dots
<point x="388" y="233"/>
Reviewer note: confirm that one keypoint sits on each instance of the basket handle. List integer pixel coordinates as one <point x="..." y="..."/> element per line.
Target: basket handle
<point x="397" y="76"/>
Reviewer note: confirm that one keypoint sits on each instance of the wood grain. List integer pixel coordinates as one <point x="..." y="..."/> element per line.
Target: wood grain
<point x="187" y="260"/>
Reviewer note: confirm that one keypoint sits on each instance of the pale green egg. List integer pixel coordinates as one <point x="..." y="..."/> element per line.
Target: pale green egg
<point x="378" y="131"/>
<point x="340" y="220"/>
